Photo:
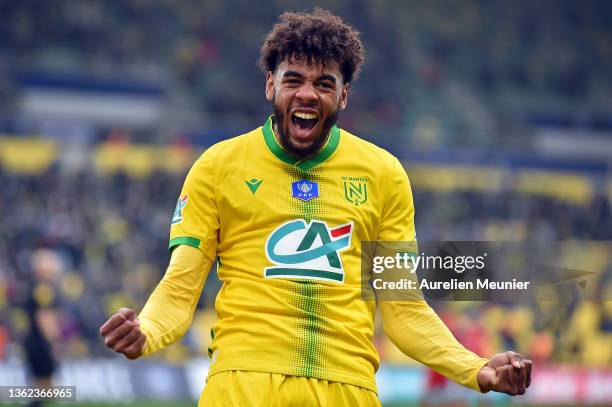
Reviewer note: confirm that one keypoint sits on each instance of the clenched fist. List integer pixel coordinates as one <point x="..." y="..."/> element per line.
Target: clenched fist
<point x="507" y="373"/>
<point x="122" y="333"/>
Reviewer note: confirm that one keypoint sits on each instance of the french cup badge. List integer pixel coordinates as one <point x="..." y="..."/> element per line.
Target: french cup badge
<point x="304" y="190"/>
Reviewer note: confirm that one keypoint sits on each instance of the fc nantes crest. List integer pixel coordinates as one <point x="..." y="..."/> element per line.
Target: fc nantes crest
<point x="356" y="189"/>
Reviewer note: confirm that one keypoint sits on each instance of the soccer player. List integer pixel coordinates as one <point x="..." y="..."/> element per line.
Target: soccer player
<point x="283" y="209"/>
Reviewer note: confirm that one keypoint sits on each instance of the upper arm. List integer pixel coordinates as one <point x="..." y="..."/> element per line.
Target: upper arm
<point x="397" y="220"/>
<point x="195" y="221"/>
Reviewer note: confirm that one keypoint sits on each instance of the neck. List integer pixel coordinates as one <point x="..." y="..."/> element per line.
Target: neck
<point x="294" y="152"/>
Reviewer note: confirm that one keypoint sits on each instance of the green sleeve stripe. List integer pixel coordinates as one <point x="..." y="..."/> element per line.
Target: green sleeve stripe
<point x="189" y="241"/>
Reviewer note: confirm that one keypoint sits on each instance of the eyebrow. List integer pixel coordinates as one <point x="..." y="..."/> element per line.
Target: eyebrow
<point x="324" y="77"/>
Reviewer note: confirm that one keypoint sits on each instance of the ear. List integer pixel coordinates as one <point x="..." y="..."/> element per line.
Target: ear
<point x="344" y="96"/>
<point x="270" y="86"/>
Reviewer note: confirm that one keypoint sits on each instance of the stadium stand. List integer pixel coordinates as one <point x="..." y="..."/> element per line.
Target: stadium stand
<point x="462" y="72"/>
<point x="500" y="113"/>
<point x="105" y="225"/>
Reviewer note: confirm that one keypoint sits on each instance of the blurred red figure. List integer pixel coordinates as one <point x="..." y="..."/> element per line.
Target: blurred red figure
<point x="473" y="335"/>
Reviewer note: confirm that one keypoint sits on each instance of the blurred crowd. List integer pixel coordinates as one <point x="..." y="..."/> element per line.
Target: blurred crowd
<point x="80" y="245"/>
<point x="99" y="243"/>
<point x="75" y="245"/>
<point x="466" y="69"/>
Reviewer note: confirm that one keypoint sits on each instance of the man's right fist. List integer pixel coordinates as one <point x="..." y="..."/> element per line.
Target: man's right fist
<point x="122" y="333"/>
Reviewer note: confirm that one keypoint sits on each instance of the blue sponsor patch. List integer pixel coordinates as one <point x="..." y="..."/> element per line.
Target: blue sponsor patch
<point x="304" y="190"/>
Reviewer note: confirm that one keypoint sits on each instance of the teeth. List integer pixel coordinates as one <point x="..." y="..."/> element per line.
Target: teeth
<point x="306" y="116"/>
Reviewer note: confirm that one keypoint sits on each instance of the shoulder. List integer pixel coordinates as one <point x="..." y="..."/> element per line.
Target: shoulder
<point x="376" y="156"/>
<point x="226" y="150"/>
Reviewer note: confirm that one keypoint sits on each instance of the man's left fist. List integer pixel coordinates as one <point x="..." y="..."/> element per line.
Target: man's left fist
<point x="506" y="372"/>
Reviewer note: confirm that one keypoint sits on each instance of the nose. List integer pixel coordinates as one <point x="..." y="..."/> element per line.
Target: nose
<point x="306" y="93"/>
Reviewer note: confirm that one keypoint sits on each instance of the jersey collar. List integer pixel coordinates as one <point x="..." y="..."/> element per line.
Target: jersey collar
<point x="303" y="164"/>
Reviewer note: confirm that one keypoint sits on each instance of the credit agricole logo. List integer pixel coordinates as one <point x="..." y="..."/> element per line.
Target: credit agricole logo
<point x="308" y="250"/>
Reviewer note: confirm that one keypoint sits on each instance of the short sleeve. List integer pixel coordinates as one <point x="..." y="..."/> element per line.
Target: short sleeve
<point x="195" y="221"/>
<point x="397" y="223"/>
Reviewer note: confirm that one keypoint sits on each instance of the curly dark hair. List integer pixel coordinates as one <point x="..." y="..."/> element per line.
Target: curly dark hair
<point x="318" y="36"/>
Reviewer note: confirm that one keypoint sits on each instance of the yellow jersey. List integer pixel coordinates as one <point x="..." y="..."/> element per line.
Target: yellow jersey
<point x="287" y="234"/>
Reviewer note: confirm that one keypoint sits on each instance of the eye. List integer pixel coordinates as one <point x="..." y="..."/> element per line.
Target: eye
<point x="326" y="85"/>
<point x="292" y="81"/>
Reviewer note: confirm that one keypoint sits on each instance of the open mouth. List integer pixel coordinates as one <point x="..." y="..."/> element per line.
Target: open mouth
<point x="304" y="121"/>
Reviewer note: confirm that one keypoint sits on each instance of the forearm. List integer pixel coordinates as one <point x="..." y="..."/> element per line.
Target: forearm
<point x="169" y="310"/>
<point x="419" y="333"/>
